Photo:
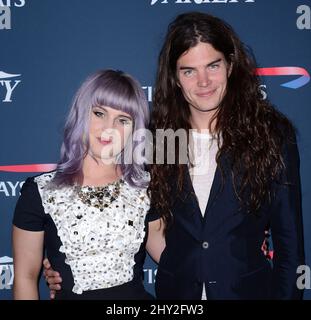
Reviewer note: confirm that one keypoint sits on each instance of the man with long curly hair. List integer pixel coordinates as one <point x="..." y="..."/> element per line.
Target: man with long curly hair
<point x="242" y="177"/>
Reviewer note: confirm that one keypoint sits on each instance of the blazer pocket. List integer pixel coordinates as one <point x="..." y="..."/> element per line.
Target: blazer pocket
<point x="250" y="273"/>
<point x="254" y="285"/>
<point x="164" y="272"/>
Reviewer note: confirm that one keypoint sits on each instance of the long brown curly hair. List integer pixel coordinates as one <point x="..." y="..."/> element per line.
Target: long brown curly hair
<point x="252" y="129"/>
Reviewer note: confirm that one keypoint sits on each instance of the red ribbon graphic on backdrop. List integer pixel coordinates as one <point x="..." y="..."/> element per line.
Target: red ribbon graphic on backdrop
<point x="29" y="168"/>
<point x="287" y="71"/>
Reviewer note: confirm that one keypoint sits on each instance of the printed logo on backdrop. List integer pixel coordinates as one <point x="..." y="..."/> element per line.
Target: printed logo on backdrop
<point x="287" y="71"/>
<point x="5" y="12"/>
<point x="6" y="273"/>
<point x="304" y="20"/>
<point x="12" y="189"/>
<point x="149" y="275"/>
<point x="199" y="1"/>
<point x="8" y="83"/>
<point x="148" y="91"/>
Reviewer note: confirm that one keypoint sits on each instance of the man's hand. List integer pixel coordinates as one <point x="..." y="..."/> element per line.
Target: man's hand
<point x="52" y="278"/>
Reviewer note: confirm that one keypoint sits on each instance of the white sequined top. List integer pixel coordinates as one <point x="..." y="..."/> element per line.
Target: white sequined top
<point x="99" y="238"/>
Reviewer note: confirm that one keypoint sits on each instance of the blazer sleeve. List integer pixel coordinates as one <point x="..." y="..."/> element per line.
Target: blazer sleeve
<point x="152" y="214"/>
<point x="287" y="227"/>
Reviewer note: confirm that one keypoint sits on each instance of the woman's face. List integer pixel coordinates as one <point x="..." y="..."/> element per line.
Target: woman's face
<point x="109" y="131"/>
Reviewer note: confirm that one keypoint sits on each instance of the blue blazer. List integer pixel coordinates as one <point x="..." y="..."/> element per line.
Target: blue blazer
<point x="223" y="249"/>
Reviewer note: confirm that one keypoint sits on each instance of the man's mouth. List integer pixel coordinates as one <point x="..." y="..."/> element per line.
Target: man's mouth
<point x="206" y="94"/>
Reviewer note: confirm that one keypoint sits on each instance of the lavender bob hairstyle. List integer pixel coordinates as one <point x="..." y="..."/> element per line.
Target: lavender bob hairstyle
<point x="116" y="90"/>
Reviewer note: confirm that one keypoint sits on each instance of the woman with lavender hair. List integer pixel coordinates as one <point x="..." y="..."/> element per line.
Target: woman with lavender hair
<point x="89" y="214"/>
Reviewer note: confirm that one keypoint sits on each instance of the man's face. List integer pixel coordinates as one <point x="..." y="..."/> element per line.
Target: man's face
<point x="202" y="74"/>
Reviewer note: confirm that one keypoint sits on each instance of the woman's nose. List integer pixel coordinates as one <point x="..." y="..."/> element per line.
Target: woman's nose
<point x="108" y="124"/>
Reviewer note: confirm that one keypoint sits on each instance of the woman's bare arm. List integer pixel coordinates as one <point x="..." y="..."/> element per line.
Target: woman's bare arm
<point x="27" y="257"/>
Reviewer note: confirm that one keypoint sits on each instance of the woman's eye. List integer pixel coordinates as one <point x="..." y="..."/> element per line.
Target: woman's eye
<point x="98" y="114"/>
<point x="125" y="121"/>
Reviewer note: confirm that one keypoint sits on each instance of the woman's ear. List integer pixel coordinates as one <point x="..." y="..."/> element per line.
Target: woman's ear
<point x="84" y="138"/>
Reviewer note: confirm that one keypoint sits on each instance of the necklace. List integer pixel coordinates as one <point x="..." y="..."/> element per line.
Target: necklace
<point x="100" y="197"/>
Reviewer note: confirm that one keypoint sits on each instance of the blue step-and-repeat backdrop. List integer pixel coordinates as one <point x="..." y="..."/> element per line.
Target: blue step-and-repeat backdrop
<point x="47" y="47"/>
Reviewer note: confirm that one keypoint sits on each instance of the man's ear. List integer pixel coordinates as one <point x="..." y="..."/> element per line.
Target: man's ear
<point x="230" y="69"/>
<point x="231" y="64"/>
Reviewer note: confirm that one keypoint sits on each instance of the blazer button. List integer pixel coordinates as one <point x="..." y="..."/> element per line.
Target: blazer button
<point x="205" y="245"/>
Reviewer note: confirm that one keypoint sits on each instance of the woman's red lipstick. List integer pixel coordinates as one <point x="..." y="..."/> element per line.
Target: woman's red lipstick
<point x="105" y="141"/>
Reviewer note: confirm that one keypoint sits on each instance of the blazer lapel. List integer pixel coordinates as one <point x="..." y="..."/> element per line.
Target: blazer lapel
<point x="215" y="190"/>
<point x="216" y="186"/>
<point x="193" y="220"/>
<point x="191" y="217"/>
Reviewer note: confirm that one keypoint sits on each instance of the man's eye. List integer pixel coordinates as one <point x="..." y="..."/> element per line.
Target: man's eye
<point x="188" y="72"/>
<point x="214" y="66"/>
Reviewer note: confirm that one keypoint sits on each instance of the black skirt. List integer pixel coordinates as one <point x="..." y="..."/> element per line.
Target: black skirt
<point x="133" y="290"/>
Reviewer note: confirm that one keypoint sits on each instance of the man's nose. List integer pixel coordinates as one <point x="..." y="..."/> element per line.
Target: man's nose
<point x="203" y="79"/>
